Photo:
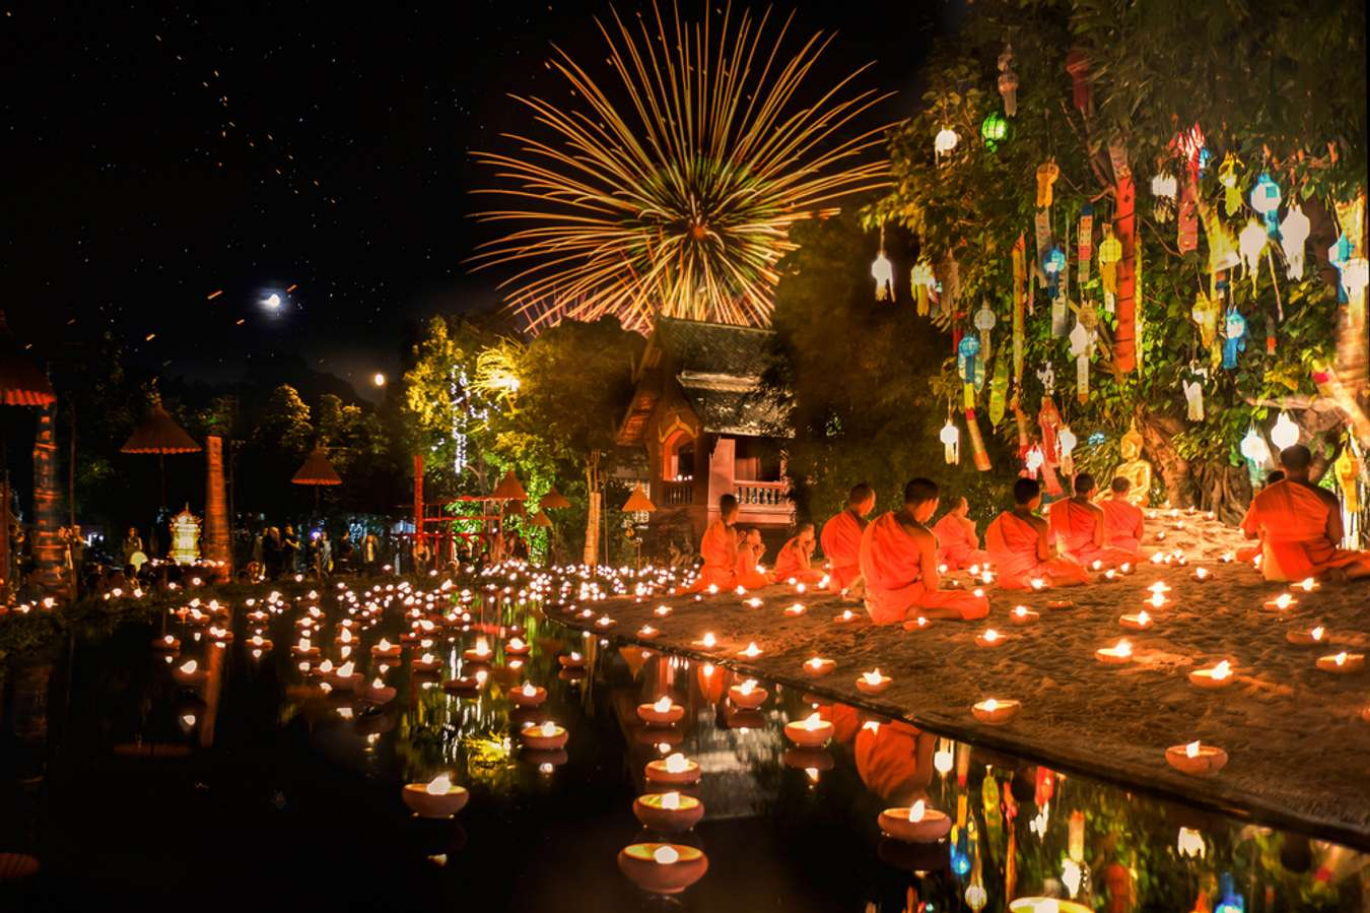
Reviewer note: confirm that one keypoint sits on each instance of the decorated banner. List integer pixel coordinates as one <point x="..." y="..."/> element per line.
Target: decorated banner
<point x="977" y="442"/>
<point x="1125" y="229"/>
<point x="1019" y="278"/>
<point x="1085" y="244"/>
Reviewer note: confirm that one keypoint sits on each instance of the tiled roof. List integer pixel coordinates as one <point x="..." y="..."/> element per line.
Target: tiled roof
<point x="715" y="348"/>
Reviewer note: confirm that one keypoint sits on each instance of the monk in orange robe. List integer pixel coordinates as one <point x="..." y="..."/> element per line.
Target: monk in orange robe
<point x="1248" y="555"/>
<point x="1078" y="524"/>
<point x="1299" y="526"/>
<point x="958" y="544"/>
<point x="1124" y="522"/>
<point x="719" y="548"/>
<point x="841" y="539"/>
<point x="794" y="562"/>
<point x="894" y="760"/>
<point x="1019" y="544"/>
<point x="899" y="564"/>
<point x="750" y="574"/>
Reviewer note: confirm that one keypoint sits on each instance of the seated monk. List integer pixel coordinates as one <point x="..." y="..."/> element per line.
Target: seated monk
<point x="1299" y="526"/>
<point x="958" y="544"/>
<point x="719" y="548"/>
<point x="750" y="573"/>
<point x="842" y="539"/>
<point x="899" y="564"/>
<point x="1078" y="524"/>
<point x="1124" y="523"/>
<point x="1021" y="549"/>
<point x="794" y="562"/>
<point x="1248" y="555"/>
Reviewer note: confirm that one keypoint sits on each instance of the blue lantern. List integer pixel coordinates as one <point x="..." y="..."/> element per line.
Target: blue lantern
<point x="1234" y="338"/>
<point x="1265" y="199"/>
<point x="965" y="358"/>
<point x="1053" y="265"/>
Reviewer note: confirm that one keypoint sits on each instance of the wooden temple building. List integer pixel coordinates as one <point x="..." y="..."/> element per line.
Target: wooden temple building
<point x="708" y="427"/>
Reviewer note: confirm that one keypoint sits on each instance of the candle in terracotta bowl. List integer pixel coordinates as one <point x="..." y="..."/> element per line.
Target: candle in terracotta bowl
<point x="305" y="648"/>
<point x="1059" y="604"/>
<point x="1022" y="615"/>
<point x="989" y="638"/>
<point x="708" y="641"/>
<point x="673" y="770"/>
<point x="873" y="682"/>
<point x="663" y="713"/>
<point x="346" y="677"/>
<point x="995" y="711"/>
<point x="670" y="812"/>
<point x="748" y="695"/>
<point x="1281" y="603"/>
<point x="1196" y="759"/>
<point x="439" y="798"/>
<point x="846" y="618"/>
<point x="1118" y="654"/>
<point x="817" y="666"/>
<point x="529" y="695"/>
<point x="546" y="736"/>
<point x="647" y="632"/>
<point x="1307" y="584"/>
<point x="516" y="646"/>
<point x="1218" y="676"/>
<point x="1202" y="574"/>
<point x="662" y="868"/>
<point x="752" y="651"/>
<point x="1342" y="662"/>
<point x="1307" y="638"/>
<point x="426" y="663"/>
<point x="915" y="824"/>
<point x="571" y="660"/>
<point x="918" y="624"/>
<point x="480" y="653"/>
<point x="810" y="732"/>
<point x="1138" y="622"/>
<point x="378" y="692"/>
<point x="189" y="673"/>
<point x="167" y="644"/>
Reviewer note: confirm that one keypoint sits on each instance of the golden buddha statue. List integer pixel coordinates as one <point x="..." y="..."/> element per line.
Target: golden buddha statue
<point x="1133" y="468"/>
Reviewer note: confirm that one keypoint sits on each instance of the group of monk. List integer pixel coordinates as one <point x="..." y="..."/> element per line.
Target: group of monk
<point x="895" y="562"/>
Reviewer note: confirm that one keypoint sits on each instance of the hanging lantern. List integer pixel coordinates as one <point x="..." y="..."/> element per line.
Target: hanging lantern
<point x="951" y="441"/>
<point x="1066" y="440"/>
<point x="1254" y="447"/>
<point x="1205" y="313"/>
<point x="1077" y="65"/>
<point x="1163" y="188"/>
<point x="1348" y="471"/>
<point x="945" y="142"/>
<point x="1222" y="247"/>
<point x="984" y="322"/>
<point x="993" y="129"/>
<point x="977" y="442"/>
<point x="1235" y="339"/>
<point x="1034" y="460"/>
<point x="1110" y="253"/>
<point x="1047" y="173"/>
<point x="966" y="351"/>
<point x="1080" y="346"/>
<point x="1053" y="265"/>
<point x="1227" y="176"/>
<point x="1354" y="275"/>
<point x="1019" y="279"/>
<point x="1285" y="434"/>
<point x="1252" y="243"/>
<point x="923" y="282"/>
<point x="1265" y="199"/>
<point x="1293" y="234"/>
<point x="883" y="274"/>
<point x="1084" y="243"/>
<point x="1194" y="399"/>
<point x="1047" y="375"/>
<point x="998" y="391"/>
<point x="1008" y="81"/>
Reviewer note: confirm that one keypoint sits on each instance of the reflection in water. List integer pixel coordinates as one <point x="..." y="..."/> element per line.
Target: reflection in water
<point x="743" y="793"/>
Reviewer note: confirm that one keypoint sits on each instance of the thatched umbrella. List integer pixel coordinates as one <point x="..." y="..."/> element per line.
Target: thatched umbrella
<point x="509" y="489"/>
<point x="540" y="519"/>
<point x="553" y="500"/>
<point x="159" y="434"/>
<point x="22" y="383"/>
<point x="318" y="472"/>
<point x="638" y="502"/>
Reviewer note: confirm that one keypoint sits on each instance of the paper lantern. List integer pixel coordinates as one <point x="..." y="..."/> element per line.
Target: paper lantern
<point x="1285" y="433"/>
<point x="1047" y="173"/>
<point x="883" y="273"/>
<point x="1164" y="188"/>
<point x="1054" y="264"/>
<point x="945" y="141"/>
<point x="1110" y="253"/>
<point x="1254" y="448"/>
<point x="1067" y="440"/>
<point x="994" y="129"/>
<point x="1265" y="199"/>
<point x="1194" y="399"/>
<point x="1227" y="176"/>
<point x="1235" y="340"/>
<point x="966" y="351"/>
<point x="951" y="441"/>
<point x="1252" y="243"/>
<point x="1354" y="275"/>
<point x="1293" y="233"/>
<point x="923" y="282"/>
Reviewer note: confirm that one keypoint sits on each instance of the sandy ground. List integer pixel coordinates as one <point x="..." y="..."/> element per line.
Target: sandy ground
<point x="1299" y="748"/>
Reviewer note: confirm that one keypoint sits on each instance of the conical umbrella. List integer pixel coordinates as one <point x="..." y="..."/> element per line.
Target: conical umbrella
<point x="22" y="381"/>
<point x="159" y="434"/>
<point x="553" y="500"/>
<point x="515" y="509"/>
<point x="638" y="501"/>
<point x="317" y="472"/>
<point x="540" y="519"/>
<point x="509" y="489"/>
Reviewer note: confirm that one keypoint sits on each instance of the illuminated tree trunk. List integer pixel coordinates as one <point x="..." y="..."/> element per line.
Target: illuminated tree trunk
<point x="216" y="538"/>
<point x="1125" y="229"/>
<point x="49" y="568"/>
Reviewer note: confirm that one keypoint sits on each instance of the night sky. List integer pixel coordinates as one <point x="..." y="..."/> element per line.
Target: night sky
<point x="158" y="153"/>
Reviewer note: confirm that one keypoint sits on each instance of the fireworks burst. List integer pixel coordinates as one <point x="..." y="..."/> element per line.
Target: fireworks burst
<point x="679" y="198"/>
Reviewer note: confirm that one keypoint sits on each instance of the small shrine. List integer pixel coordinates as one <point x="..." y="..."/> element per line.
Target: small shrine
<point x="185" y="537"/>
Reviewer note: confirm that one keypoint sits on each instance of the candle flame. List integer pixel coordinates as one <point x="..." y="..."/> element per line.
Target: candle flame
<point x="1143" y="618"/>
<point x="169" y="640"/>
<point x="530" y="690"/>
<point x="676" y="763"/>
<point x="326" y="666"/>
<point x="752" y="650"/>
<point x="516" y="643"/>
<point x="670" y="801"/>
<point x="873" y="678"/>
<point x="1157" y="600"/>
<point x="1284" y="600"/>
<point x="190" y="666"/>
<point x="991" y="635"/>
<point x="304" y="645"/>
<point x="1201" y="573"/>
<point x="665" y="855"/>
<point x="1318" y="632"/>
<point x="377" y="683"/>
<point x="440" y="785"/>
<point x="709" y="640"/>
<point x="991" y="705"/>
<point x="846" y="615"/>
<point x="1021" y="611"/>
<point x="1123" y="647"/>
<point x="917" y="812"/>
<point x="428" y="658"/>
<point x="663" y="705"/>
<point x="482" y="647"/>
<point x="549" y="729"/>
<point x="345" y="670"/>
<point x="814" y="721"/>
<point x="1222" y="670"/>
<point x="384" y="646"/>
<point x="1192" y="749"/>
<point x="1340" y="658"/>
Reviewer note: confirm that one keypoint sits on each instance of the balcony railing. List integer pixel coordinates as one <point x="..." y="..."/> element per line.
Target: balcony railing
<point x="763" y="495"/>
<point x="678" y="494"/>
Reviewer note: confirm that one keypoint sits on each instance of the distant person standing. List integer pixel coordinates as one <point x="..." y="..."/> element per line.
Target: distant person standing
<point x="132" y="543"/>
<point x="271" y="553"/>
<point x="371" y="551"/>
<point x="290" y="551"/>
<point x="325" y="554"/>
<point x="346" y="552"/>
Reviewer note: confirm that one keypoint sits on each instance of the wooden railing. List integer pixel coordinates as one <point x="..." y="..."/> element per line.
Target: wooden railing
<point x="677" y="494"/>
<point x="763" y="495"/>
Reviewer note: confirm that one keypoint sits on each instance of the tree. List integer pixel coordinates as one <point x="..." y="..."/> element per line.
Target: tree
<point x="1266" y="85"/>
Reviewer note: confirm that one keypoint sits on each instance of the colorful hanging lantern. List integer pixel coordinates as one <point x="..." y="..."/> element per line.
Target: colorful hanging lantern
<point x="1293" y="235"/>
<point x="1033" y="460"/>
<point x="945" y="142"/>
<point x="1080" y="346"/>
<point x="1265" y="199"/>
<point x="1254" y="447"/>
<point x="1047" y="375"/>
<point x="994" y="129"/>
<point x="1054" y="265"/>
<point x="984" y="322"/>
<point x="923" y="283"/>
<point x="1353" y="277"/>
<point x="1206" y="312"/>
<point x="1019" y="279"/>
<point x="1227" y="176"/>
<point x="1285" y="434"/>
<point x="1252" y="243"/>
<point x="1194" y="399"/>
<point x="1008" y="81"/>
<point x="998" y="391"/>
<point x="1110" y="252"/>
<point x="951" y="442"/>
<point x="1348" y="470"/>
<point x="1235" y="339"/>
<point x="1047" y="173"/>
<point x="882" y="271"/>
<point x="1222" y="248"/>
<point x="1084" y="244"/>
<point x="1190" y="145"/>
<point x="966" y="351"/>
<point x="1163" y="188"/>
<point x="1077" y="65"/>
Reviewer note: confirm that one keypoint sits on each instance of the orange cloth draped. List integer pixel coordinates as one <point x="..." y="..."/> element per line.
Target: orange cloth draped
<point x="720" y="551"/>
<point x="1012" y="545"/>
<point x="841" y="541"/>
<point x="1074" y="523"/>
<point x="747" y="575"/>
<point x="1291" y="518"/>
<point x="890" y="562"/>
<point x="793" y="561"/>
<point x="1123" y="525"/>
<point x="957" y="544"/>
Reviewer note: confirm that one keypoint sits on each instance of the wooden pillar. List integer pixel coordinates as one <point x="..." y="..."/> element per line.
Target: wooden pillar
<point x="216" y="546"/>
<point x="49" y="567"/>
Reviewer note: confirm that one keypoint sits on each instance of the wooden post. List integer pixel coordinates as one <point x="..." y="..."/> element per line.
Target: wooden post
<point x="49" y="567"/>
<point x="216" y="539"/>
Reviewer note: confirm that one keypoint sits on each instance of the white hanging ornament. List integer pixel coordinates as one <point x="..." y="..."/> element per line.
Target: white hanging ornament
<point x="1285" y="434"/>
<point x="1354" y="275"/>
<point x="951" y="441"/>
<point x="1034" y="459"/>
<point x="984" y="322"/>
<point x="883" y="273"/>
<point x="1047" y="375"/>
<point x="1066" y="441"/>
<point x="1194" y="391"/>
<point x="1254" y="447"/>
<point x="1293" y="233"/>
<point x="1164" y="188"/>
<point x="1252" y="243"/>
<point x="1080" y="345"/>
<point x="945" y="142"/>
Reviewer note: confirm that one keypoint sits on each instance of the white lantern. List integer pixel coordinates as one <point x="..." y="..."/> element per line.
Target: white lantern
<point x="1034" y="459"/>
<point x="946" y="141"/>
<point x="1293" y="233"/>
<point x="951" y="440"/>
<point x="1254" y="447"/>
<point x="1354" y="275"/>
<point x="1066" y="438"/>
<point x="1164" y="185"/>
<point x="883" y="273"/>
<point x="1285" y="433"/>
<point x="1252" y="242"/>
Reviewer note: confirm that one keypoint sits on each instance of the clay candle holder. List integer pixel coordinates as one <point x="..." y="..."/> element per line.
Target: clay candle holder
<point x="647" y="632"/>
<point x="664" y="712"/>
<point x="1202" y="574"/>
<point x="1281" y="603"/>
<point x="167" y="644"/>
<point x="1158" y="601"/>
<point x="673" y="770"/>
<point x="1195" y="759"/>
<point x="1139" y="622"/>
<point x="669" y="812"/>
<point x="996" y="712"/>
<point x="426" y="663"/>
<point x="1342" y="662"/>
<point x="440" y="798"/>
<point x="464" y="684"/>
<point x="386" y="650"/>
<point x="748" y="695"/>
<point x="989" y="638"/>
<point x="1022" y="615"/>
<point x="346" y="677"/>
<point x="918" y="824"/>
<point x="1057" y="605"/>
<point x="817" y="666"/>
<point x="378" y="692"/>
<point x="752" y="651"/>
<point x="662" y="868"/>
<point x="1117" y="655"/>
<point x="516" y="647"/>
<point x="662" y="611"/>
<point x="810" y="732"/>
<point x="530" y="695"/>
<point x="873" y="682"/>
<point x="480" y="653"/>
<point x="546" y="736"/>
<point x="1307" y="638"/>
<point x="572" y="661"/>
<point x="1219" y="676"/>
<point x="846" y="618"/>
<point x="189" y="673"/>
<point x="305" y="648"/>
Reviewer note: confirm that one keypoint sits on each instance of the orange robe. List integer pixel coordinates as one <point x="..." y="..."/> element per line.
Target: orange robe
<point x="1123" y="525"/>
<point x="720" y="551"/>
<point x="1012" y="545"/>
<point x="891" y="564"/>
<point x="841" y="541"/>
<point x="793" y="561"/>
<point x="889" y="762"/>
<point x="1074" y="523"/>
<point x="1291" y="519"/>
<point x="957" y="544"/>
<point x="747" y="575"/>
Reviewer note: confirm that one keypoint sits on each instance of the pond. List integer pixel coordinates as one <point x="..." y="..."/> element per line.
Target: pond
<point x="137" y="786"/>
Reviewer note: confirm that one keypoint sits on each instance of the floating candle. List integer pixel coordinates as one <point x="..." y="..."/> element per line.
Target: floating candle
<point x="996" y="712"/>
<point x="1118" y="654"/>
<point x="662" y="868"/>
<point x="1307" y="638"/>
<point x="438" y="798"/>
<point x="571" y="661"/>
<point x="748" y="695"/>
<point x="817" y="666"/>
<point x="1196" y="759"/>
<point x="990" y="638"/>
<point x="1219" y="676"/>
<point x="811" y="732"/>
<point x="916" y="824"/>
<point x="1139" y="622"/>
<point x="664" y="712"/>
<point x="516" y="646"/>
<point x="167" y="644"/>
<point x="1022" y="615"/>
<point x="1342" y="662"/>
<point x="752" y="651"/>
<point x="873" y="682"/>
<point x="529" y="695"/>
<point x="673" y="769"/>
<point x="378" y="692"/>
<point x="670" y="812"/>
<point x="547" y="736"/>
